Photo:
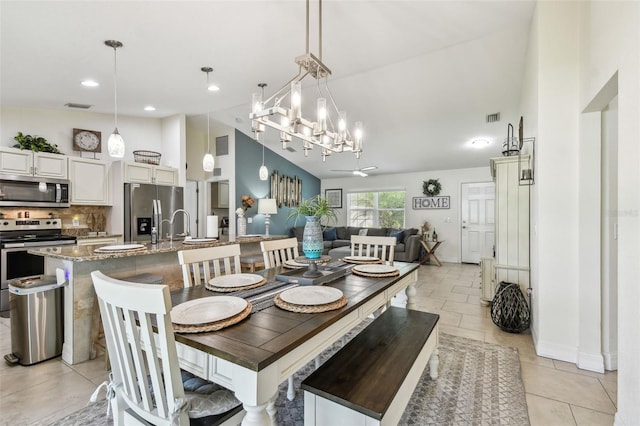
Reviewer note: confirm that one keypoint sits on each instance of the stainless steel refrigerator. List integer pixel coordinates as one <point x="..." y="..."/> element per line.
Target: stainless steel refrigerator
<point x="147" y="205"/>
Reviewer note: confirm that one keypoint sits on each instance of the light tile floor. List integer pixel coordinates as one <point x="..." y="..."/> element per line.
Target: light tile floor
<point x="557" y="392"/>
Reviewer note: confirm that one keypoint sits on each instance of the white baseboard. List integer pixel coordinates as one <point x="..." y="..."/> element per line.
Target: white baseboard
<point x="556" y="351"/>
<point x="611" y="361"/>
<point x="590" y="362"/>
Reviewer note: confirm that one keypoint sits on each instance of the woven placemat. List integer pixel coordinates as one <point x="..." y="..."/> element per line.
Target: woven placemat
<point x="232" y="289"/>
<point x="213" y="326"/>
<point x="366" y="274"/>
<point x="362" y="262"/>
<point x="309" y="309"/>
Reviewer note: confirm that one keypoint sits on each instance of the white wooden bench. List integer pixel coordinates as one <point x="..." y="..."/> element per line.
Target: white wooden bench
<point x="370" y="380"/>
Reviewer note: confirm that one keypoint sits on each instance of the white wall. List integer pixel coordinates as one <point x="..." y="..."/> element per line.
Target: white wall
<point x="446" y="222"/>
<point x="173" y="144"/>
<point x="612" y="43"/>
<point x="577" y="48"/>
<point x="57" y="127"/>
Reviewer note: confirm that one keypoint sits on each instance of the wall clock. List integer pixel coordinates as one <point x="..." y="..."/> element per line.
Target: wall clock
<point x="87" y="140"/>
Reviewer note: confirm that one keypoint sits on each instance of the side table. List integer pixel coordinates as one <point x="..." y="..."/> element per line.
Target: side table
<point x="431" y="251"/>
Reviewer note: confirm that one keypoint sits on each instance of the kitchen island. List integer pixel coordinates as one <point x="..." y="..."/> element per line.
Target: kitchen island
<point x="79" y="261"/>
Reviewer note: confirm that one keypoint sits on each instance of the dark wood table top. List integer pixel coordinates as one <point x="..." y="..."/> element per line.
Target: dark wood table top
<point x="267" y="335"/>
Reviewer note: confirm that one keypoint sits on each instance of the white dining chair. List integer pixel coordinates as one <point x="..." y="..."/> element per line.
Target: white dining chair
<point x="146" y="377"/>
<point x="276" y="252"/>
<point x="381" y="247"/>
<point x="201" y="264"/>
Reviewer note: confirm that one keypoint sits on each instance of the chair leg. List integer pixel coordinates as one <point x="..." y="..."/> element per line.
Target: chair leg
<point x="291" y="391"/>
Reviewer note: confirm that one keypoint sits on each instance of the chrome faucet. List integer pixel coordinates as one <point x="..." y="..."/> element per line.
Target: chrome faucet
<point x="187" y="226"/>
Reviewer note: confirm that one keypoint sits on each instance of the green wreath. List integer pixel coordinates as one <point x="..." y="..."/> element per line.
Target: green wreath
<point x="431" y="187"/>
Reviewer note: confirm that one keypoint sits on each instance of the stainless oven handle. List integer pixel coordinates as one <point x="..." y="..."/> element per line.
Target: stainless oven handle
<point x="39" y="244"/>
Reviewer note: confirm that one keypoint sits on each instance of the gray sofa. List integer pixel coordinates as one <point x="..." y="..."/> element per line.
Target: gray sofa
<point x="406" y="251"/>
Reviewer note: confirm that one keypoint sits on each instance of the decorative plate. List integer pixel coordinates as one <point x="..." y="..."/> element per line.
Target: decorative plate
<point x="121" y="247"/>
<point x="199" y="240"/>
<point x="235" y="280"/>
<point x="375" y="269"/>
<point x="311" y="295"/>
<point x="207" y="309"/>
<point x="360" y="259"/>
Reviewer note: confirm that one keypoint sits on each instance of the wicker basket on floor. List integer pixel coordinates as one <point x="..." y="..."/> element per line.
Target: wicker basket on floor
<point x="509" y="309"/>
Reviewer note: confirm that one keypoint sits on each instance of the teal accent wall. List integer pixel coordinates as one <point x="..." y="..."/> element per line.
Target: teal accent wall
<point x="248" y="162"/>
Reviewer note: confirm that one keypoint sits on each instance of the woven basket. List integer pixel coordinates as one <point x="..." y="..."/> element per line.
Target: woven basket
<point x="147" y="157"/>
<point x="509" y="309"/>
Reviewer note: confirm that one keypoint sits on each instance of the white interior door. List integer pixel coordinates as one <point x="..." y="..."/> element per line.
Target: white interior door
<point x="478" y="221"/>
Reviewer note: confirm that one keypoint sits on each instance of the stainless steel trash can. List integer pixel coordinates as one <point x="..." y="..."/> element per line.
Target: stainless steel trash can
<point x="36" y="305"/>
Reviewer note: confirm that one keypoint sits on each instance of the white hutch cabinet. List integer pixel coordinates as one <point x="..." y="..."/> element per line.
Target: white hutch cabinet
<point x="512" y="228"/>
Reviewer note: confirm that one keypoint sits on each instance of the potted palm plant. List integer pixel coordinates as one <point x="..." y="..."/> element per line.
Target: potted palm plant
<point x="315" y="210"/>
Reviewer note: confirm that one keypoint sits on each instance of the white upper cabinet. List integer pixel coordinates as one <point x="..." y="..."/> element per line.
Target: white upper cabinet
<point x="89" y="181"/>
<point x="23" y="162"/>
<point x="148" y="173"/>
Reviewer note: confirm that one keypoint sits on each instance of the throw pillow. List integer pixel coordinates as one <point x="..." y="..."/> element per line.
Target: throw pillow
<point x="399" y="236"/>
<point x="330" y="234"/>
<point x="363" y="232"/>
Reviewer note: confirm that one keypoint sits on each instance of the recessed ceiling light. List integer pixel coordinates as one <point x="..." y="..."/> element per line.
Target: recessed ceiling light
<point x="480" y="143"/>
<point x="149" y="108"/>
<point x="90" y="83"/>
<point x="213" y="88"/>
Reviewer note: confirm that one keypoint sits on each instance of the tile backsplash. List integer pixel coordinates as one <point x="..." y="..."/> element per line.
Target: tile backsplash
<point x="76" y="220"/>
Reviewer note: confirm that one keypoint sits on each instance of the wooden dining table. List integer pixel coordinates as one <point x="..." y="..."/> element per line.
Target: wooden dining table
<point x="255" y="355"/>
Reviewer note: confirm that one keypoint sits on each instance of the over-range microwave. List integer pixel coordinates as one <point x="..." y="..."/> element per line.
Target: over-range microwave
<point x="26" y="191"/>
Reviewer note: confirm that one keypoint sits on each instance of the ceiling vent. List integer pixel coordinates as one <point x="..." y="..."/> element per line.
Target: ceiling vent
<point x="80" y="106"/>
<point x="492" y="118"/>
<point x="217" y="171"/>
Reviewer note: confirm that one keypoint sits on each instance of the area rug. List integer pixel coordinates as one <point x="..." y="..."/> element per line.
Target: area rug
<point x="479" y="384"/>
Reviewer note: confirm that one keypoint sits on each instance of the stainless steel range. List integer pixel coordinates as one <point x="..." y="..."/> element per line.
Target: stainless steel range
<point x="16" y="237"/>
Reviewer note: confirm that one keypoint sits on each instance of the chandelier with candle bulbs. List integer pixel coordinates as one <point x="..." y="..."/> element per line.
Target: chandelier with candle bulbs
<point x="328" y="135"/>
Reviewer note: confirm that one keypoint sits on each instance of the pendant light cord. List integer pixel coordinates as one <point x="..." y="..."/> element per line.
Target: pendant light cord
<point x="208" y="114"/>
<point x="115" y="83"/>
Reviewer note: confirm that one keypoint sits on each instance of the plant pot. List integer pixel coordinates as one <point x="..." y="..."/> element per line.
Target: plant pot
<point x="312" y="243"/>
<point x="242" y="226"/>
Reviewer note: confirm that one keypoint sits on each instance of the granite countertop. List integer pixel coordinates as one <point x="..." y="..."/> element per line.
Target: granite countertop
<point x="88" y="237"/>
<point x="87" y="253"/>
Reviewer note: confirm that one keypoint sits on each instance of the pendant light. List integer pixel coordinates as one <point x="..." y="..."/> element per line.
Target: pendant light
<point x="115" y="144"/>
<point x="263" y="173"/>
<point x="208" y="161"/>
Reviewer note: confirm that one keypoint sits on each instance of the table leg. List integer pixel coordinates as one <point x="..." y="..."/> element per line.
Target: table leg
<point x="434" y="361"/>
<point x="411" y="294"/>
<point x="272" y="410"/>
<point x="257" y="415"/>
<point x="435" y="259"/>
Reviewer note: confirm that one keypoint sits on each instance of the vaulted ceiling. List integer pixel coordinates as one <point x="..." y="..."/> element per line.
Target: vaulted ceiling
<point x="420" y="75"/>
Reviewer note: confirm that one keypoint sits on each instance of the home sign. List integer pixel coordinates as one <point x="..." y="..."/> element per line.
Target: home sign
<point x="425" y="203"/>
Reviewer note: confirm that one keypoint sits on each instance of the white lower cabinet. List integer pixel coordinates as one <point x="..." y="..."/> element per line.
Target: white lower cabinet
<point x="99" y="240"/>
<point x="89" y="181"/>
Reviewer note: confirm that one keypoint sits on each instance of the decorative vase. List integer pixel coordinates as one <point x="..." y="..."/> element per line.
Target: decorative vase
<point x="312" y="243"/>
<point x="242" y="225"/>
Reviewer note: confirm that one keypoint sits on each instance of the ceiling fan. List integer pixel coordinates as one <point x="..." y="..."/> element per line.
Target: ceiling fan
<point x="358" y="171"/>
